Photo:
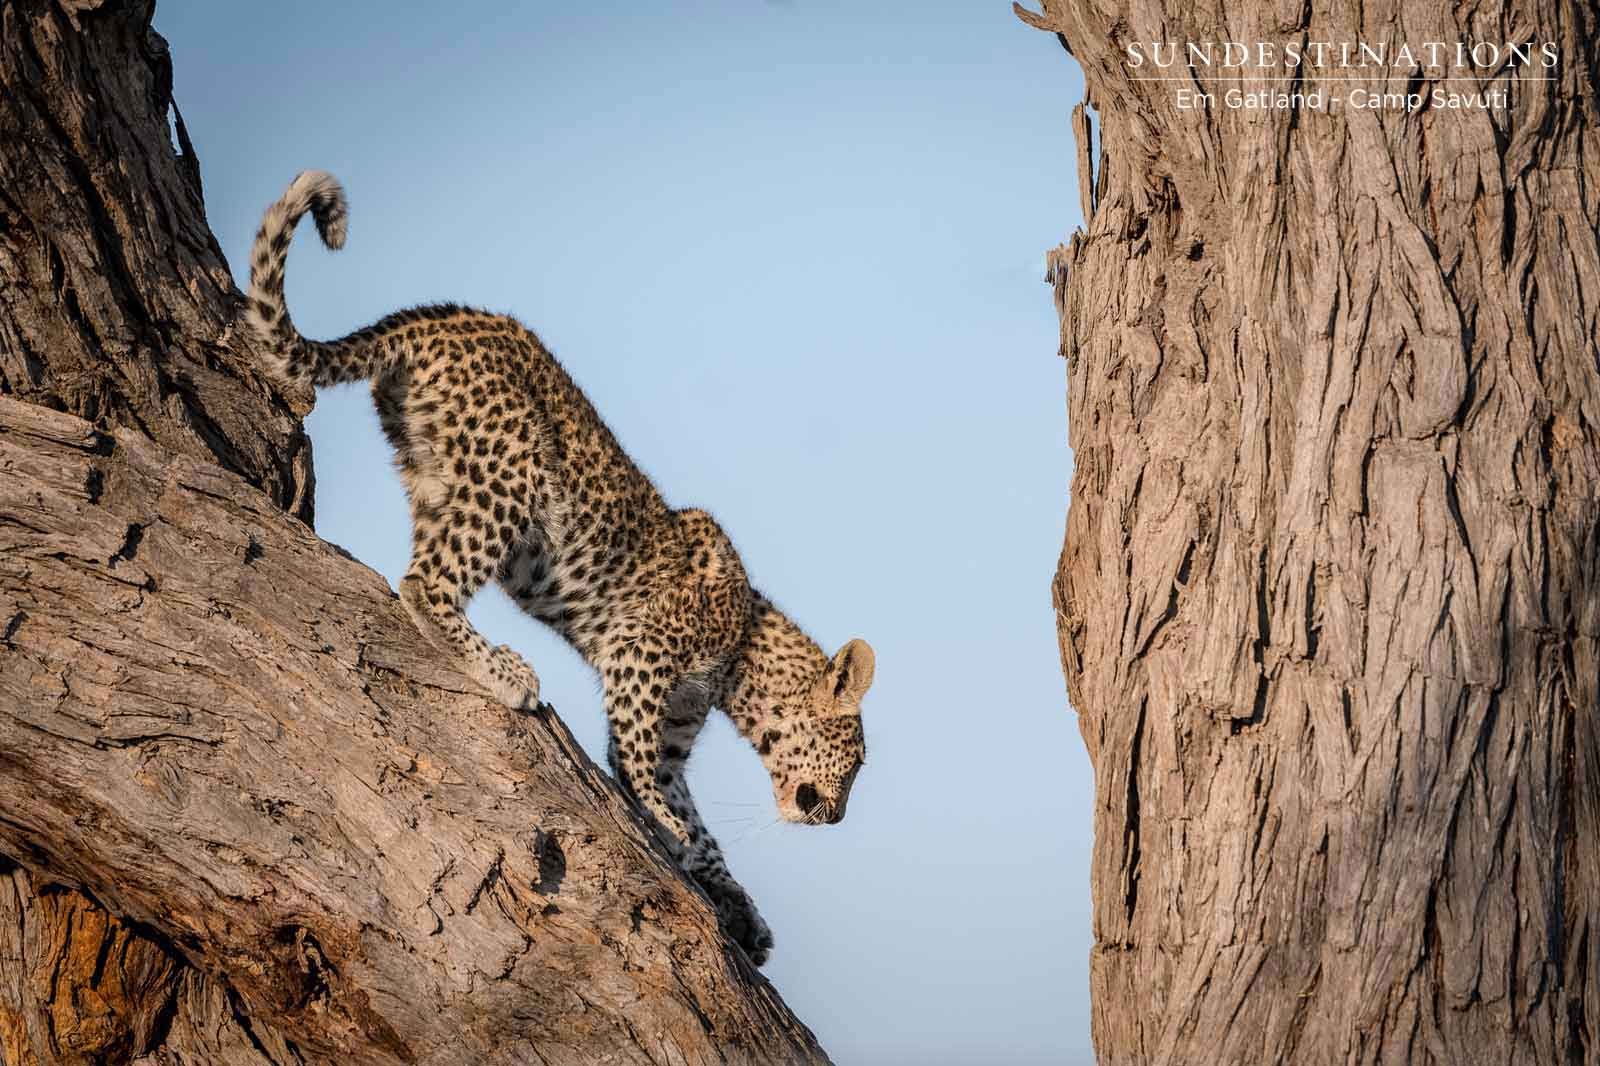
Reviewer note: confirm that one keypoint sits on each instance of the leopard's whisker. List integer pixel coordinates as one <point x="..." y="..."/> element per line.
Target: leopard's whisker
<point x="758" y="830"/>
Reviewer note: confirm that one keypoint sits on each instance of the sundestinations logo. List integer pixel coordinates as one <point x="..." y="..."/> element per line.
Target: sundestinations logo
<point x="1332" y="75"/>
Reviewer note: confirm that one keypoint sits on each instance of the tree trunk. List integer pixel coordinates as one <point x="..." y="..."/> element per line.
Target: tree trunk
<point x="1328" y="599"/>
<point x="250" y="816"/>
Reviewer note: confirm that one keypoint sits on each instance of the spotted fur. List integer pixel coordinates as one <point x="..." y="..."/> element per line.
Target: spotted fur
<point x="513" y="477"/>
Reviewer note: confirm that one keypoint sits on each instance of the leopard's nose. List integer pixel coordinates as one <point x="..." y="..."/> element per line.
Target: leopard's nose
<point x="806" y="798"/>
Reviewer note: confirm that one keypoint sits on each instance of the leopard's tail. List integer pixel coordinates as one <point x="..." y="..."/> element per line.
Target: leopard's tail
<point x="292" y="357"/>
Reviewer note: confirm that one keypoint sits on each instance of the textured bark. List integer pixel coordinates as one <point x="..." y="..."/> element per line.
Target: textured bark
<point x="78" y="986"/>
<point x="1327" y="600"/>
<point x="249" y="816"/>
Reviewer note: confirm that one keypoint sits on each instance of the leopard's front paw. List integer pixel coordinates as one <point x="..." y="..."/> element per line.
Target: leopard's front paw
<point x="511" y="679"/>
<point x="741" y="921"/>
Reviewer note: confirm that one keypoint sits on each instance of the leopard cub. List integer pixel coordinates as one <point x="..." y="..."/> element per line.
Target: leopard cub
<point x="513" y="477"/>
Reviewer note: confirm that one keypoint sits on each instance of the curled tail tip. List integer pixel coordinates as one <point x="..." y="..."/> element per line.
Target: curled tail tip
<point x="321" y="193"/>
<point x="265" y="314"/>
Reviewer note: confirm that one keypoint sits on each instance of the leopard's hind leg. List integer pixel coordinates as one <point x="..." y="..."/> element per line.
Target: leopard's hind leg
<point x="462" y="533"/>
<point x="443" y="576"/>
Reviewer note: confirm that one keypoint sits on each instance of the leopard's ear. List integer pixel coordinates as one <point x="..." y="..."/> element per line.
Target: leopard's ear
<point x="850" y="675"/>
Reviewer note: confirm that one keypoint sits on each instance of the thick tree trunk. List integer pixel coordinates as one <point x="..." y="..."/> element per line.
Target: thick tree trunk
<point x="1328" y="598"/>
<point x="249" y="816"/>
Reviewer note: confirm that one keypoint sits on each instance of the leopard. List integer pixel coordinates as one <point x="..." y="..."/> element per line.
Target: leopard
<point x="512" y="477"/>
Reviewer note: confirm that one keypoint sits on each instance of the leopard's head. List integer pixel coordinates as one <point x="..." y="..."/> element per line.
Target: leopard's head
<point x="802" y="711"/>
<point x="815" y="751"/>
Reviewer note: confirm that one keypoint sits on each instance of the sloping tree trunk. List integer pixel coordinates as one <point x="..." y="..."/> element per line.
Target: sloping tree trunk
<point x="247" y="816"/>
<point x="1328" y="598"/>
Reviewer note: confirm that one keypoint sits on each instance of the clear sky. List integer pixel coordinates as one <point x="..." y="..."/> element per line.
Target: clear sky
<point x="794" y="253"/>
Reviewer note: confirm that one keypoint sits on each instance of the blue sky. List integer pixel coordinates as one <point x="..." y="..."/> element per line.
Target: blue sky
<point x="794" y="253"/>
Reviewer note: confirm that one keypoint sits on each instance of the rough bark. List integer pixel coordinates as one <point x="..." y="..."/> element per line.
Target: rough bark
<point x="78" y="986"/>
<point x="249" y="816"/>
<point x="1327" y="602"/>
